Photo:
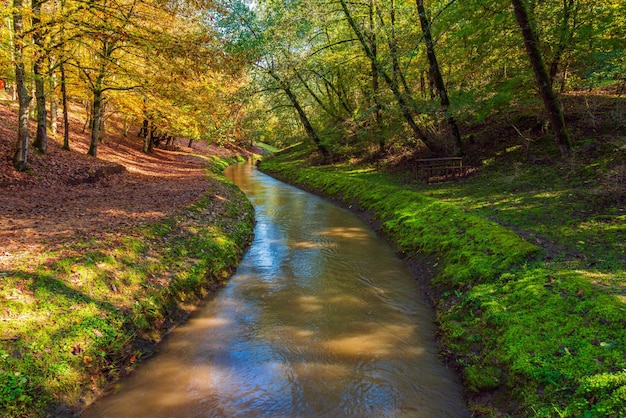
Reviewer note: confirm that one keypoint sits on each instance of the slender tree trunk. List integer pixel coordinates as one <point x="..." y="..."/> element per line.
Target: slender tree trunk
<point x="54" y="100"/>
<point x="143" y="131"/>
<point x="337" y="92"/>
<point x="315" y="97"/>
<point x="550" y="101"/>
<point x="41" y="139"/>
<point x="11" y="28"/>
<point x="102" y="120"/>
<point x="54" y="115"/>
<point x="402" y="101"/>
<point x="397" y="75"/>
<point x="88" y="115"/>
<point x="375" y="78"/>
<point x="66" y="114"/>
<point x="20" y="158"/>
<point x="96" y="114"/>
<point x="396" y="71"/>
<point x="565" y="37"/>
<point x="306" y="123"/>
<point x="437" y="78"/>
<point x="148" y="140"/>
<point x="308" y="127"/>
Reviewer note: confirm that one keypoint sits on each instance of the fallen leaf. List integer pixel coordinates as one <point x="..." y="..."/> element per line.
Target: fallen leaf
<point x="77" y="349"/>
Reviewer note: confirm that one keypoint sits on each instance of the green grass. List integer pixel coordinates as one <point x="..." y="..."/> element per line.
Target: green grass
<point x="266" y="147"/>
<point x="530" y="295"/>
<point x="75" y="319"/>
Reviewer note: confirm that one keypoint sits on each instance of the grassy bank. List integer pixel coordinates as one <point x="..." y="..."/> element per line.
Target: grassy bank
<point x="530" y="282"/>
<point x="82" y="314"/>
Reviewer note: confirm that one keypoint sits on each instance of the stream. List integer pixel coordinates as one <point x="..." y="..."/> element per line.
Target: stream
<point x="321" y="319"/>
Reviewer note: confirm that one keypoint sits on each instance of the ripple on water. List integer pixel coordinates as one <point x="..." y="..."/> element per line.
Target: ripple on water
<point x="320" y="320"/>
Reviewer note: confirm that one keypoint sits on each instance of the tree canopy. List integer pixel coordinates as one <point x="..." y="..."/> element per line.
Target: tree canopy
<point x="376" y="74"/>
<point x="408" y="72"/>
<point x="150" y="60"/>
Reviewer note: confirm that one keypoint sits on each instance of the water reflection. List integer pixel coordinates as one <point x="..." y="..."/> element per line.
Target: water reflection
<point x="321" y="319"/>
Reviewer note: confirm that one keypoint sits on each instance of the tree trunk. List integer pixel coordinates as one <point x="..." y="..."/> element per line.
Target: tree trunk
<point x="148" y="140"/>
<point x="315" y="97"/>
<point x="102" y="119"/>
<point x="301" y="114"/>
<point x="11" y="28"/>
<point x="54" y="108"/>
<point x="20" y="158"/>
<point x="143" y="131"/>
<point x="550" y="101"/>
<point x="402" y="102"/>
<point x="565" y="38"/>
<point x="96" y="114"/>
<point x="41" y="139"/>
<point x="66" y="115"/>
<point x="375" y="79"/>
<point x="437" y="78"/>
<point x="53" y="122"/>
<point x="397" y="74"/>
<point x="88" y="115"/>
<point x="306" y="123"/>
<point x="338" y="92"/>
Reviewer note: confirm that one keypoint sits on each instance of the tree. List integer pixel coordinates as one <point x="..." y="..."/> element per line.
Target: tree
<point x="372" y="18"/>
<point x="20" y="158"/>
<point x="41" y="138"/>
<point x="565" y="38"/>
<point x="393" y="85"/>
<point x="306" y="123"/>
<point x="550" y="101"/>
<point x="109" y="35"/>
<point x="436" y="74"/>
<point x="274" y="58"/>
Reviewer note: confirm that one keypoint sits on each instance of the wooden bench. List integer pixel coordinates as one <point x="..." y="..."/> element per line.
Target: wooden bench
<point x="439" y="169"/>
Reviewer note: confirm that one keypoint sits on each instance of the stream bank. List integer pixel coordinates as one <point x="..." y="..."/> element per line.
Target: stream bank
<point x="531" y="333"/>
<point x="321" y="319"/>
<point x="84" y="313"/>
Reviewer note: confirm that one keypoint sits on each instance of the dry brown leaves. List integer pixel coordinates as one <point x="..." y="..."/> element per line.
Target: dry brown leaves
<point x="59" y="199"/>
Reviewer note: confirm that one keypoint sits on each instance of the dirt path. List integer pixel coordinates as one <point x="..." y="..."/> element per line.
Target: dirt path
<point x="69" y="195"/>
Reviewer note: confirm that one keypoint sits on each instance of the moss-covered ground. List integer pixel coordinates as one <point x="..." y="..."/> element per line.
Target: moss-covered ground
<point x="530" y="282"/>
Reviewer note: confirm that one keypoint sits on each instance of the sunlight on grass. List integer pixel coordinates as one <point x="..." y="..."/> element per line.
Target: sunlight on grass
<point x="549" y="195"/>
<point x="70" y="319"/>
<point x="361" y="170"/>
<point x="549" y="333"/>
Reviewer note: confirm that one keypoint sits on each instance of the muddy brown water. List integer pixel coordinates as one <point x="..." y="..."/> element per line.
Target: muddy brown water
<point x="321" y="319"/>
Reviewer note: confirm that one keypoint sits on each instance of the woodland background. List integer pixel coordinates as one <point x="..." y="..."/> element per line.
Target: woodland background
<point x="146" y="93"/>
<point x="360" y="78"/>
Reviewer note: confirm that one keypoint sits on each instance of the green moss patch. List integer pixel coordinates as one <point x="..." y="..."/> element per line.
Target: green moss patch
<point x="530" y="292"/>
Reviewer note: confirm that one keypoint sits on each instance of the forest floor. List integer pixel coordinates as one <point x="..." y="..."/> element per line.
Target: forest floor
<point x="100" y="257"/>
<point x="68" y="195"/>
